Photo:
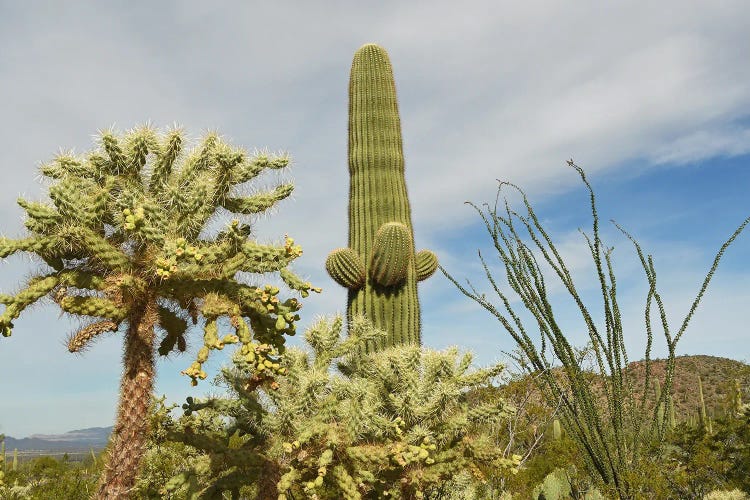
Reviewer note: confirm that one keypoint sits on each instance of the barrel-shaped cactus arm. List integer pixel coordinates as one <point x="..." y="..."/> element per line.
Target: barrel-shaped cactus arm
<point x="346" y="268"/>
<point x="427" y="264"/>
<point x="391" y="254"/>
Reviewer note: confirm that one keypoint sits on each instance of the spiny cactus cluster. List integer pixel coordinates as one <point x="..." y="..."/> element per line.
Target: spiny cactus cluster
<point x="392" y="424"/>
<point x="380" y="267"/>
<point x="126" y="240"/>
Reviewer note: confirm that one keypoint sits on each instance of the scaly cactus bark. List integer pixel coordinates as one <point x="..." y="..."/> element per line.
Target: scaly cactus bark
<point x="379" y="267"/>
<point x="124" y="240"/>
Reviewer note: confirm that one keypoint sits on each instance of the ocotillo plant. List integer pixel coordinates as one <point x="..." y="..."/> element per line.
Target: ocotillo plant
<point x="124" y="238"/>
<point x="611" y="438"/>
<point x="379" y="267"/>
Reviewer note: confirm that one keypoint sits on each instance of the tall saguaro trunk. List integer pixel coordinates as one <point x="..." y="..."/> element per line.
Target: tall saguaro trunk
<point x="380" y="266"/>
<point x="136" y="390"/>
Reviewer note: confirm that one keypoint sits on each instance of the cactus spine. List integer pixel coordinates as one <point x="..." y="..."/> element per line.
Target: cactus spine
<point x="380" y="267"/>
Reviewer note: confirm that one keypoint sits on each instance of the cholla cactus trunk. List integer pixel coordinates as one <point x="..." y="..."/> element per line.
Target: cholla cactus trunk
<point x="269" y="478"/>
<point x="380" y="268"/>
<point x="136" y="388"/>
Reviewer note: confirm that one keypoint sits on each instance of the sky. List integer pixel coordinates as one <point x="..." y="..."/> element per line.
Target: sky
<point x="652" y="100"/>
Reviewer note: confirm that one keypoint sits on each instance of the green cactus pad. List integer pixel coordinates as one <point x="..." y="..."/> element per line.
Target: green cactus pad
<point x="391" y="254"/>
<point x="346" y="268"/>
<point x="427" y="264"/>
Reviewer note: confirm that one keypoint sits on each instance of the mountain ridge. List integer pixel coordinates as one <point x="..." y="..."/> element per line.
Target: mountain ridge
<point x="75" y="440"/>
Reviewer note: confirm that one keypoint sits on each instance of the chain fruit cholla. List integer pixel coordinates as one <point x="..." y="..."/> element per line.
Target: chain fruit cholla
<point x="380" y="267"/>
<point x="124" y="240"/>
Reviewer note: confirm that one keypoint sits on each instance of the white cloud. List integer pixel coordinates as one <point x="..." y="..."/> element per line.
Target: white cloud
<point x="498" y="90"/>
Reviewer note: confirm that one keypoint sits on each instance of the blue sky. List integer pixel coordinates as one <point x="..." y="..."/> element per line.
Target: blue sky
<point x="652" y="101"/>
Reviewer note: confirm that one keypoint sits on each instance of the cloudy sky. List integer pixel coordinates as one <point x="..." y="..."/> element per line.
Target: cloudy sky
<point x="652" y="100"/>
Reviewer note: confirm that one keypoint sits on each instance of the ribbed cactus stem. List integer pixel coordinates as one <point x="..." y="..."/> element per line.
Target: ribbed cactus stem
<point x="735" y="403"/>
<point x="660" y="405"/>
<point x="15" y="459"/>
<point x="380" y="229"/>
<point x="556" y="430"/>
<point x="703" y="417"/>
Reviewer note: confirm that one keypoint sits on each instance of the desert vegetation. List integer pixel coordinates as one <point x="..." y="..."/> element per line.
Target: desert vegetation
<point x="363" y="410"/>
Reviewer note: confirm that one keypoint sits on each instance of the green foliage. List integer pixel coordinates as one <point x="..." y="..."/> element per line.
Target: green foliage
<point x="612" y="438"/>
<point x="561" y="484"/>
<point x="2" y="459"/>
<point x="165" y="459"/>
<point x="126" y="238"/>
<point x="343" y="423"/>
<point x="726" y="495"/>
<point x="379" y="267"/>
<point x="703" y="461"/>
<point x="47" y="477"/>
<point x="556" y="486"/>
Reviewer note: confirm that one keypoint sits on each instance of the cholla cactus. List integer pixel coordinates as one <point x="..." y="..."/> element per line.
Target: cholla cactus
<point x="393" y="424"/>
<point x="379" y="267"/>
<point x="124" y="237"/>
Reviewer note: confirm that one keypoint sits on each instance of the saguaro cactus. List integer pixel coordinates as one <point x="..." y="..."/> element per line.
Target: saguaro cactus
<point x="380" y="267"/>
<point x="124" y="238"/>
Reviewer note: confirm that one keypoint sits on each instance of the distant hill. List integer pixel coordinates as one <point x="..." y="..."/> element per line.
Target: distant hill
<point x="716" y="374"/>
<point x="81" y="440"/>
